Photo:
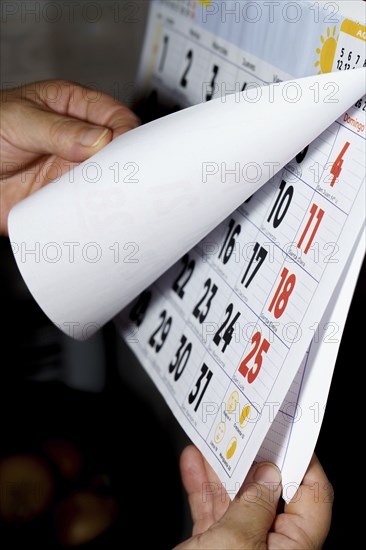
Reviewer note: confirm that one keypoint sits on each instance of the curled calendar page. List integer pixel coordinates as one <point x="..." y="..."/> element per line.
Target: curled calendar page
<point x="103" y="236"/>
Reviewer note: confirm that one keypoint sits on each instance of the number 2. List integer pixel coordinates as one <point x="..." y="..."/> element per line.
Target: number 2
<point x="189" y="58"/>
<point x="259" y="347"/>
<point x="184" y="275"/>
<point x="164" y="327"/>
<point x="228" y="334"/>
<point x="201" y="314"/>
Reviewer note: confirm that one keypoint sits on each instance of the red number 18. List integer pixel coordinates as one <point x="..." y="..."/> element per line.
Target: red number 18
<point x="283" y="293"/>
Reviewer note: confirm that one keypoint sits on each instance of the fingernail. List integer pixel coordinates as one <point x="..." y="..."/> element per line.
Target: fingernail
<point x="93" y="136"/>
<point x="267" y="473"/>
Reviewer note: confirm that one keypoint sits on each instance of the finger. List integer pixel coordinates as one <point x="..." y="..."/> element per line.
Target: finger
<point x="208" y="499"/>
<point x="251" y="514"/>
<point x="39" y="131"/>
<point x="93" y="106"/>
<point x="67" y="124"/>
<point x="201" y="492"/>
<point x="220" y="497"/>
<point x="309" y="511"/>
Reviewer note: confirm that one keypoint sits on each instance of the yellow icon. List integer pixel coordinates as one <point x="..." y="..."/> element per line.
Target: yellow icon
<point x="205" y="3"/>
<point x="219" y="432"/>
<point x="354" y="29"/>
<point x="233" y="402"/>
<point x="231" y="448"/>
<point x="244" y="416"/>
<point x="327" y="51"/>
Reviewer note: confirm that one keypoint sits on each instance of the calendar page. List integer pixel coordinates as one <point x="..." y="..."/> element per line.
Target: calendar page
<point x="241" y="335"/>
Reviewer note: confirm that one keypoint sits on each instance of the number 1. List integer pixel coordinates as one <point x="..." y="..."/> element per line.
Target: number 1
<point x="163" y="53"/>
<point x="283" y="293"/>
<point x="259" y="255"/>
<point x="281" y="204"/>
<point x="319" y="216"/>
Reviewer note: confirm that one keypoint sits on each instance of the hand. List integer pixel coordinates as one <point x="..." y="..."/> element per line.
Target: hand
<point x="48" y="127"/>
<point x="251" y="520"/>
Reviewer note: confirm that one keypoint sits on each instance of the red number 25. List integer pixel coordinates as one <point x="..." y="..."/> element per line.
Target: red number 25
<point x="259" y="347"/>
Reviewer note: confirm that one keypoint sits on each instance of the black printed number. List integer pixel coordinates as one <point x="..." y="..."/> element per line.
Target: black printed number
<point x="138" y="312"/>
<point x="158" y="337"/>
<point x="180" y="361"/>
<point x="184" y="275"/>
<point x="163" y="53"/>
<point x="229" y="242"/>
<point x="209" y="293"/>
<point x="206" y="376"/>
<point x="189" y="58"/>
<point x="210" y="93"/>
<point x="258" y="256"/>
<point x="281" y="204"/>
<point x="300" y="156"/>
<point x="228" y="334"/>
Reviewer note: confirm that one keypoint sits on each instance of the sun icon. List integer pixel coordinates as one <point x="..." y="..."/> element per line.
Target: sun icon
<point x="327" y="51"/>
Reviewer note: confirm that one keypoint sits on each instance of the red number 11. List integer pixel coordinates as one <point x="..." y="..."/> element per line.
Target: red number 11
<point x="319" y="215"/>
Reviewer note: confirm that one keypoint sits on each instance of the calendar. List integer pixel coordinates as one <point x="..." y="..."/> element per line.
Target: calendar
<point x="225" y="239"/>
<point x="241" y="335"/>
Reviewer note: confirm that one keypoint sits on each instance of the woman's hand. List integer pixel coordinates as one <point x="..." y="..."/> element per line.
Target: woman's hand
<point x="251" y="520"/>
<point x="48" y="127"/>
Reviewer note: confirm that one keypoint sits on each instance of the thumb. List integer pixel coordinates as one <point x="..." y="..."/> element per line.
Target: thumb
<point x="67" y="137"/>
<point x="254" y="509"/>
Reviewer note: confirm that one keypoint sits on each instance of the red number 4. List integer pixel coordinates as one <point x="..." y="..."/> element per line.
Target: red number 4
<point x="337" y="164"/>
<point x="251" y="373"/>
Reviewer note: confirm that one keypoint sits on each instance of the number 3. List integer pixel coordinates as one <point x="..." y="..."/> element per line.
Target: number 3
<point x="205" y="372"/>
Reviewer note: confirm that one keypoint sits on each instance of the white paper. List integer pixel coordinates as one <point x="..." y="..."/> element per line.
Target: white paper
<point x="65" y="235"/>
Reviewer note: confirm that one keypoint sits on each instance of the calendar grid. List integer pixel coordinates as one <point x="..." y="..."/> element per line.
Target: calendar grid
<point x="200" y="299"/>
